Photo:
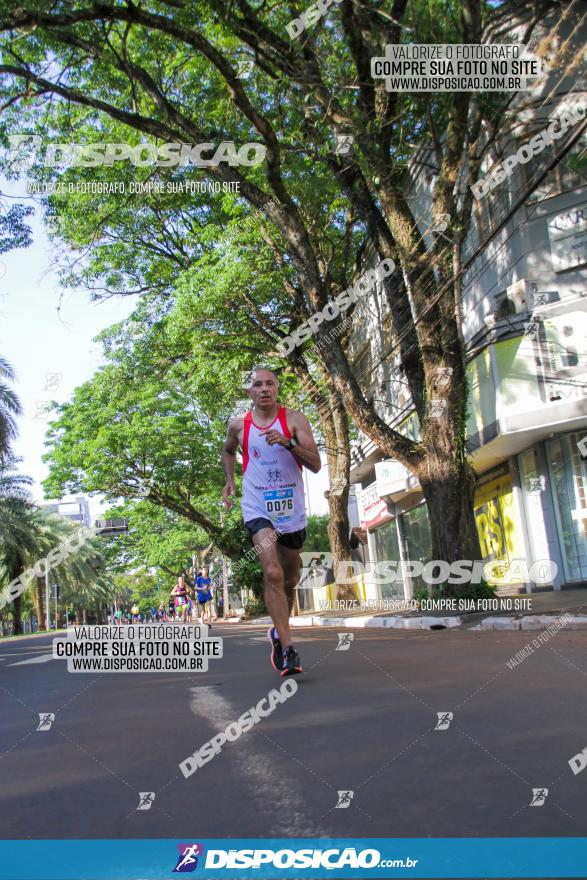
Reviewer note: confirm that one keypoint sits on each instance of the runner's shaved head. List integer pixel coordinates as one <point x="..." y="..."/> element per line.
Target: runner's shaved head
<point x="263" y="370"/>
<point x="253" y="374"/>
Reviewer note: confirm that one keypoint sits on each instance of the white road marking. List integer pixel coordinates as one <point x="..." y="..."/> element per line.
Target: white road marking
<point x="262" y="774"/>
<point x="266" y="640"/>
<point x="23" y="653"/>
<point x="42" y="659"/>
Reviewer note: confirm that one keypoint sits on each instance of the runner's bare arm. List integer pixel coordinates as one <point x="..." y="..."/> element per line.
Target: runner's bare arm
<point x="231" y="445"/>
<point x="306" y="451"/>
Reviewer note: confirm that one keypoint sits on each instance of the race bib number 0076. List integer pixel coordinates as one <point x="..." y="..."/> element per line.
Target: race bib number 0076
<point x="279" y="504"/>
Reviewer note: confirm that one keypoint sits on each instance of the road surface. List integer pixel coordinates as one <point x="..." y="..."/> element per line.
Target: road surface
<point x="363" y="720"/>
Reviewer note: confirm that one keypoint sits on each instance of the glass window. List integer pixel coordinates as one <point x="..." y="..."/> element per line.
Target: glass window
<point x="568" y="174"/>
<point x="418" y="538"/>
<point x="363" y="370"/>
<point x="569" y="487"/>
<point x="499" y="201"/>
<point x="387" y="548"/>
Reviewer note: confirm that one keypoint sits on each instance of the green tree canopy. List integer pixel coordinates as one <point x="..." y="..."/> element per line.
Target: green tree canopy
<point x="170" y="73"/>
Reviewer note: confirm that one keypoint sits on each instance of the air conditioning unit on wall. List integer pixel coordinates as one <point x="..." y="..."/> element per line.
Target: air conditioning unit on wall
<point x="521" y="295"/>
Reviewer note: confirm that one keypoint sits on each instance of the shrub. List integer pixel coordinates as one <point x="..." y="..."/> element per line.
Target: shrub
<point x="255" y="608"/>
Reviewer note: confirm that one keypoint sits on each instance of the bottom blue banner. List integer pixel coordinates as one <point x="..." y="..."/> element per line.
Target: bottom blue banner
<point x="499" y="857"/>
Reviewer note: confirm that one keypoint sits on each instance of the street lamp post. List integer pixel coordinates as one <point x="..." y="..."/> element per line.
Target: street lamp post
<point x="47" y="600"/>
<point x="224" y="570"/>
<point x="225" y="585"/>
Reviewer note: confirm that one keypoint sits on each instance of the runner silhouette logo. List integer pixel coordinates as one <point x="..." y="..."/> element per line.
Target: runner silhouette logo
<point x="187" y="860"/>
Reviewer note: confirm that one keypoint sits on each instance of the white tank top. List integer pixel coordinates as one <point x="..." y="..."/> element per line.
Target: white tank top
<point x="273" y="486"/>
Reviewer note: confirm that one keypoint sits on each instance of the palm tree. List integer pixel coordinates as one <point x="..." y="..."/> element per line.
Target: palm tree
<point x="28" y="533"/>
<point x="17" y="529"/>
<point x="85" y="582"/>
<point x="10" y="408"/>
<point x="50" y="531"/>
<point x="81" y="576"/>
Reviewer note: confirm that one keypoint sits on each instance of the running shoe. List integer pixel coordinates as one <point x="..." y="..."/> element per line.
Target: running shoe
<point x="291" y="662"/>
<point x="276" y="655"/>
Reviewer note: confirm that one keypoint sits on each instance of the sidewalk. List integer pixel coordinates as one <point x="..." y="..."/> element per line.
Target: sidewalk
<point x="36" y="635"/>
<point x="540" y="610"/>
<point x="546" y="607"/>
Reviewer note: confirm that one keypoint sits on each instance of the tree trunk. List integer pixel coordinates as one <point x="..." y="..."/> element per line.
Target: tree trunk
<point x="40" y="603"/>
<point x="17" y="616"/>
<point x="85" y="616"/>
<point x="449" y="496"/>
<point x="339" y="463"/>
<point x="338" y="535"/>
<point x="335" y="428"/>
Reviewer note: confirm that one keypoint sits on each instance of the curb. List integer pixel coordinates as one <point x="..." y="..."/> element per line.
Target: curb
<point x="497" y="623"/>
<point x="4" y="640"/>
<point x="528" y="622"/>
<point x="531" y="622"/>
<point x="389" y="622"/>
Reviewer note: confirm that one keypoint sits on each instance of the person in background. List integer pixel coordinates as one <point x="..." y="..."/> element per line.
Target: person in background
<point x="181" y="598"/>
<point x="161" y="613"/>
<point x="196" y="594"/>
<point x="204" y="595"/>
<point x="219" y="601"/>
<point x="358" y="555"/>
<point x="357" y="546"/>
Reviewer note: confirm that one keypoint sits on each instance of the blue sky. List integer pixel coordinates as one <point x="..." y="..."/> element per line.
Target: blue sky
<point x="46" y="334"/>
<point x="51" y="351"/>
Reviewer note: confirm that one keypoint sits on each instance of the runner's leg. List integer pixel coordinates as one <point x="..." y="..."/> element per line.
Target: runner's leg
<point x="290" y="563"/>
<point x="275" y="598"/>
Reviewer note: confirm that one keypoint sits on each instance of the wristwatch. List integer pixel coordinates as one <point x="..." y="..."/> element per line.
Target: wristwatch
<point x="292" y="444"/>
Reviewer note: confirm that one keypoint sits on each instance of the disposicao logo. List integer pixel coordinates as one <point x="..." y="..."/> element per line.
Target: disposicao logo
<point x="187" y="860"/>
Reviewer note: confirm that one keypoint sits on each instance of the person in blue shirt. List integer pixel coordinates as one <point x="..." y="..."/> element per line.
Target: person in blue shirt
<point x="204" y="596"/>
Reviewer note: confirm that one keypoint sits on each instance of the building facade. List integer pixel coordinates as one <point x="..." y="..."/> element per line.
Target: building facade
<point x="525" y="329"/>
<point x="78" y="510"/>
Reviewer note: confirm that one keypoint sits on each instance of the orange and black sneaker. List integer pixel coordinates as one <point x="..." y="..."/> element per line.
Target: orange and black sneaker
<point x="276" y="655"/>
<point x="291" y="662"/>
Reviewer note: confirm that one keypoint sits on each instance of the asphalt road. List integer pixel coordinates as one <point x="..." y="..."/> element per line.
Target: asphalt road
<point x="363" y="721"/>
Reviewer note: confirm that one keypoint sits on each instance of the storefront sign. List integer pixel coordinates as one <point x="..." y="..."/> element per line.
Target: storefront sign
<point x="391" y="477"/>
<point x="372" y="509"/>
<point x="568" y="238"/>
<point x="562" y="364"/>
<point x="499" y="527"/>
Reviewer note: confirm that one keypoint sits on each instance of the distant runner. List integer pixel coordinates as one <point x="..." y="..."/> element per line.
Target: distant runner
<point x="204" y="595"/>
<point x="180" y="592"/>
<point x="276" y="444"/>
<point x="219" y="594"/>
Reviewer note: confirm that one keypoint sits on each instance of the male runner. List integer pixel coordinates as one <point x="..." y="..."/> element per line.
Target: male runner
<point x="276" y="443"/>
